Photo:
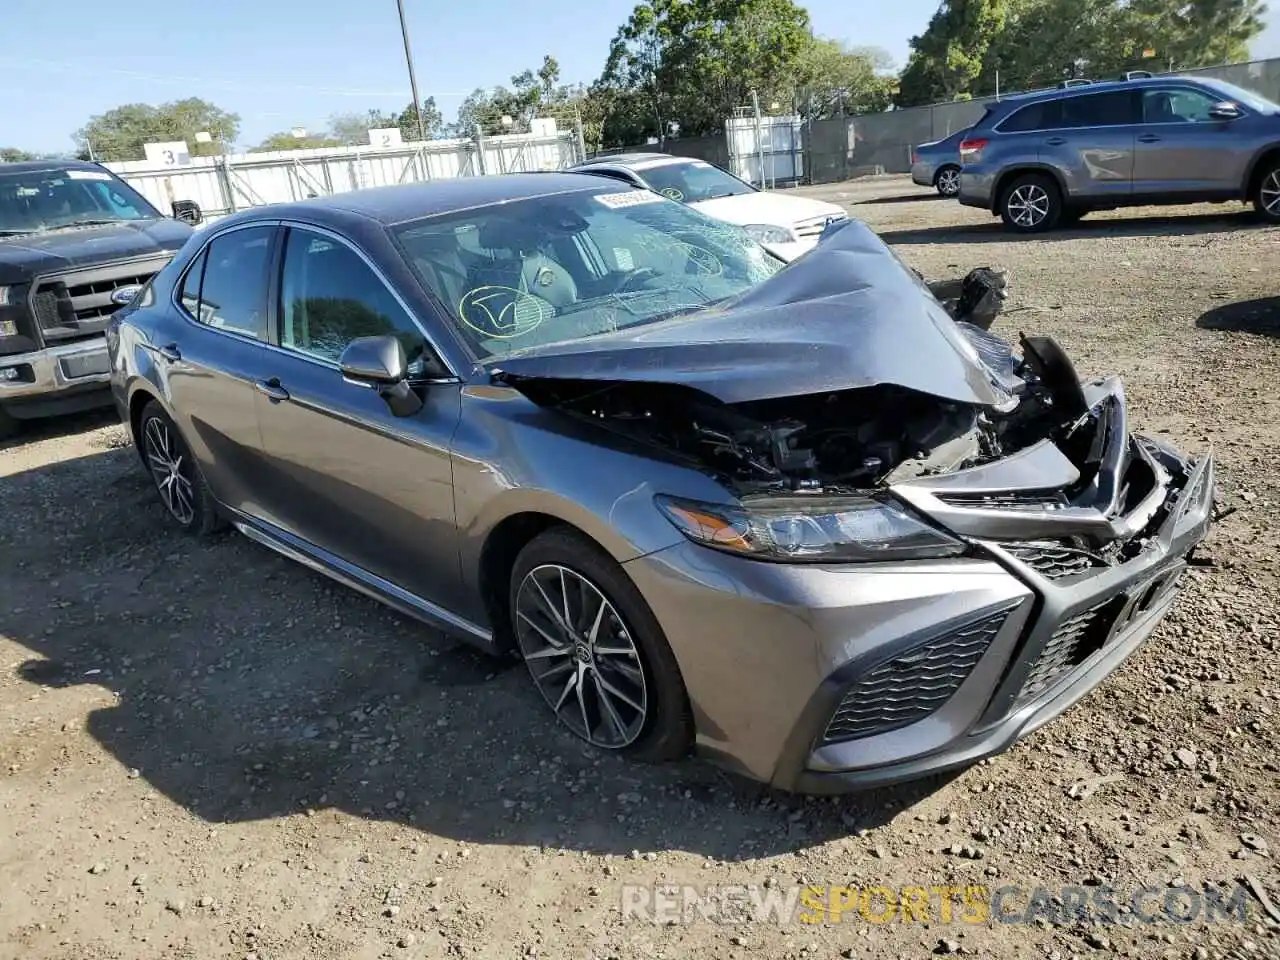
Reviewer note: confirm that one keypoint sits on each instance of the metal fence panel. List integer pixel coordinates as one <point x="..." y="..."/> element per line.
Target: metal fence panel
<point x="222" y="185"/>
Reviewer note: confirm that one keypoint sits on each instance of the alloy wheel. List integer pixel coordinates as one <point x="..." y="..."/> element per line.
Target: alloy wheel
<point x="582" y="656"/>
<point x="1270" y="193"/>
<point x="949" y="182"/>
<point x="171" y="470"/>
<point x="1028" y="205"/>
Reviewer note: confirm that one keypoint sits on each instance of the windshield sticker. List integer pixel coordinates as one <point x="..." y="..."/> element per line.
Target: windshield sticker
<point x="632" y="198"/>
<point x="672" y="193"/>
<point x="504" y="313"/>
<point x="88" y="175"/>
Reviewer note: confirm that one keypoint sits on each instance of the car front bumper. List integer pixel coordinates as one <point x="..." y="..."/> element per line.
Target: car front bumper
<point x="56" y="379"/>
<point x="977" y="188"/>
<point x="770" y="652"/>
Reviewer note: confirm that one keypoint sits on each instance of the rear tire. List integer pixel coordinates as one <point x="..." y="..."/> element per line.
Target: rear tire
<point x="633" y="698"/>
<point x="1031" y="203"/>
<point x="175" y="473"/>
<point x="947" y="181"/>
<point x="1266" y="196"/>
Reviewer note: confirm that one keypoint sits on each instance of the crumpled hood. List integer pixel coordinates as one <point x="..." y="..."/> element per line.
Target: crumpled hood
<point x="31" y="254"/>
<point x="849" y="314"/>
<point x="774" y="209"/>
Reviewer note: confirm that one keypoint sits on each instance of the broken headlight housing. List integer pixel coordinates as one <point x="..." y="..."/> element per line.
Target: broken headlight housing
<point x="765" y="233"/>
<point x="811" y="529"/>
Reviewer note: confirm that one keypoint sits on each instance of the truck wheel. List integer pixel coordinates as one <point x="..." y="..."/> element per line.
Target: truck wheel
<point x="1031" y="203"/>
<point x="947" y="181"/>
<point x="8" y="424"/>
<point x="1266" y="198"/>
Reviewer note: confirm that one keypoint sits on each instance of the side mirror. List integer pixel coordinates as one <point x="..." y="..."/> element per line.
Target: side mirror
<point x="379" y="363"/>
<point x="187" y="211"/>
<point x="1226" y="110"/>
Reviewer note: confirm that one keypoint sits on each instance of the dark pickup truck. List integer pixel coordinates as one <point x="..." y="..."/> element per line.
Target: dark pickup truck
<point x="76" y="243"/>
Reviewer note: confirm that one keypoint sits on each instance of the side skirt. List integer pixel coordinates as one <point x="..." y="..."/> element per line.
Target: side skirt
<point x="357" y="578"/>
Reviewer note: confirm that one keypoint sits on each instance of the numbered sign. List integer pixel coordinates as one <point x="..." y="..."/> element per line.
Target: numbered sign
<point x="388" y="137"/>
<point x="175" y="153"/>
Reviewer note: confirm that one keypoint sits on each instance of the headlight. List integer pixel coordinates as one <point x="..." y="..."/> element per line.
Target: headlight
<point x="817" y="529"/>
<point x="763" y="233"/>
<point x="8" y="296"/>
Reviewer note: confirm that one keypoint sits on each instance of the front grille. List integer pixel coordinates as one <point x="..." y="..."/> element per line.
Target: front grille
<point x="73" y="306"/>
<point x="1025" y="500"/>
<point x="813" y="227"/>
<point x="914" y="684"/>
<point x="1054" y="559"/>
<point x="1076" y="639"/>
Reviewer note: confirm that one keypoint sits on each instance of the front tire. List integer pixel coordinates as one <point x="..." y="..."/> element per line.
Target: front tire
<point x="947" y="182"/>
<point x="1266" y="197"/>
<point x="1031" y="203"/>
<point x="595" y="651"/>
<point x="183" y="492"/>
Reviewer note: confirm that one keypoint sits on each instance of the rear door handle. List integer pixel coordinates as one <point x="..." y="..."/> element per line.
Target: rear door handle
<point x="272" y="390"/>
<point x="1056" y="141"/>
<point x="1148" y="138"/>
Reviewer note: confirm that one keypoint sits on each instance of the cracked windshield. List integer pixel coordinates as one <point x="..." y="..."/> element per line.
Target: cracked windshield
<point x="560" y="268"/>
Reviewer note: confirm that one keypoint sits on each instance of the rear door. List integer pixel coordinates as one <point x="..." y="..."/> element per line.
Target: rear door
<point x="215" y="353"/>
<point x="1181" y="151"/>
<point x="1091" y="142"/>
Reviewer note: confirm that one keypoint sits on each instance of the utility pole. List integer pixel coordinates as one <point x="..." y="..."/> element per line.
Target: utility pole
<point x="755" y="104"/>
<point x="413" y="81"/>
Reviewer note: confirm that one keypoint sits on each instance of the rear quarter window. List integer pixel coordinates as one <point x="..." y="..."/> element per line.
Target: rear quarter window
<point x="1043" y="115"/>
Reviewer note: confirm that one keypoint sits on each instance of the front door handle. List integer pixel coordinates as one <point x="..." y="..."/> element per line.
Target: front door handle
<point x="1148" y="138"/>
<point x="1056" y="141"/>
<point x="272" y="390"/>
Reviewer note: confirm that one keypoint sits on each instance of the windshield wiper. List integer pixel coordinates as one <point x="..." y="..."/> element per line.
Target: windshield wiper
<point x="85" y="223"/>
<point x="14" y="233"/>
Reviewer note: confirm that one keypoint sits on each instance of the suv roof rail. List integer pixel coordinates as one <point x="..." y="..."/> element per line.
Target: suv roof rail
<point x="1074" y="82"/>
<point x="1137" y="75"/>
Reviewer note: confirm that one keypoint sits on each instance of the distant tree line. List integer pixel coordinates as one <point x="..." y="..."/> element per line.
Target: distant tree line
<point x="682" y="67"/>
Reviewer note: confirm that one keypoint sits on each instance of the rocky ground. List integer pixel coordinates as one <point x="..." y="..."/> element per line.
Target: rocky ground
<point x="208" y="751"/>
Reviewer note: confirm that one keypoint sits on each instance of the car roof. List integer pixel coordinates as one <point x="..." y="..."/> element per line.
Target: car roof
<point x="627" y="159"/>
<point x="40" y="166"/>
<point x="1083" y="89"/>
<point x="412" y="201"/>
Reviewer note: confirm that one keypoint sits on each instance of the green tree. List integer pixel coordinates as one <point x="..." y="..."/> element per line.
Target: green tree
<point x="285" y="140"/>
<point x="353" y="128"/>
<point x="120" y="133"/>
<point x="14" y="155"/>
<point x="407" y="120"/>
<point x="949" y="57"/>
<point x="834" y="80"/>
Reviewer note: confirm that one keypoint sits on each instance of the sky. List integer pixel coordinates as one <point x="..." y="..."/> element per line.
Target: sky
<point x="281" y="64"/>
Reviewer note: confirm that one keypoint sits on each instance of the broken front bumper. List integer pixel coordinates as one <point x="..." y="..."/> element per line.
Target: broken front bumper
<point x="826" y="678"/>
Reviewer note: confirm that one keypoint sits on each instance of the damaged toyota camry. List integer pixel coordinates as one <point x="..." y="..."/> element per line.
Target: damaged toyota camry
<point x="809" y="520"/>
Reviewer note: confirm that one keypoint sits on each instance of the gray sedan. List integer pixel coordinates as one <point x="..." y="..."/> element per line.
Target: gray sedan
<point x="799" y="519"/>
<point x="937" y="164"/>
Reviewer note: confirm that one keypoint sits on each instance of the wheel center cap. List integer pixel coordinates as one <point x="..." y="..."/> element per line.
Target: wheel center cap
<point x="582" y="651"/>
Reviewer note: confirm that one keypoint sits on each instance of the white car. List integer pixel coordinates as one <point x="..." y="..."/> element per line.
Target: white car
<point x="786" y="224"/>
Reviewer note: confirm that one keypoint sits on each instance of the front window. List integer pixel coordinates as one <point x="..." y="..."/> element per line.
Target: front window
<point x="33" y="201"/>
<point x="692" y="182"/>
<point x="1229" y="91"/>
<point x="571" y="266"/>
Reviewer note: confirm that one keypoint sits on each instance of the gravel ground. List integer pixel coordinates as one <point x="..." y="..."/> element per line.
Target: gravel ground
<point x="208" y="751"/>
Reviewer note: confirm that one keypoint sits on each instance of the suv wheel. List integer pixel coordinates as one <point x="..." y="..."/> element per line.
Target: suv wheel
<point x="1031" y="203"/>
<point x="595" y="651"/>
<point x="1267" y="198"/>
<point x="177" y="477"/>
<point x="947" y="181"/>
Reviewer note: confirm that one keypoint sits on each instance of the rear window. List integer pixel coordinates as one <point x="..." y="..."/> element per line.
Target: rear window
<point x="1043" y="115"/>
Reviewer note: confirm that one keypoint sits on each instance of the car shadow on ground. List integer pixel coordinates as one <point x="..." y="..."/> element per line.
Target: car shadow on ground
<point x="249" y="687"/>
<point x="903" y="198"/>
<point x="1148" y="226"/>
<point x="1247" y="316"/>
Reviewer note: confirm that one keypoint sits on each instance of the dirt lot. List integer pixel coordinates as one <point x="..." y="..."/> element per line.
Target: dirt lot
<point x="208" y="751"/>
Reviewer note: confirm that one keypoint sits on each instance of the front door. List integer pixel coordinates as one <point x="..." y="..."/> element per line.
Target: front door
<point x="1181" y="150"/>
<point x="343" y="472"/>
